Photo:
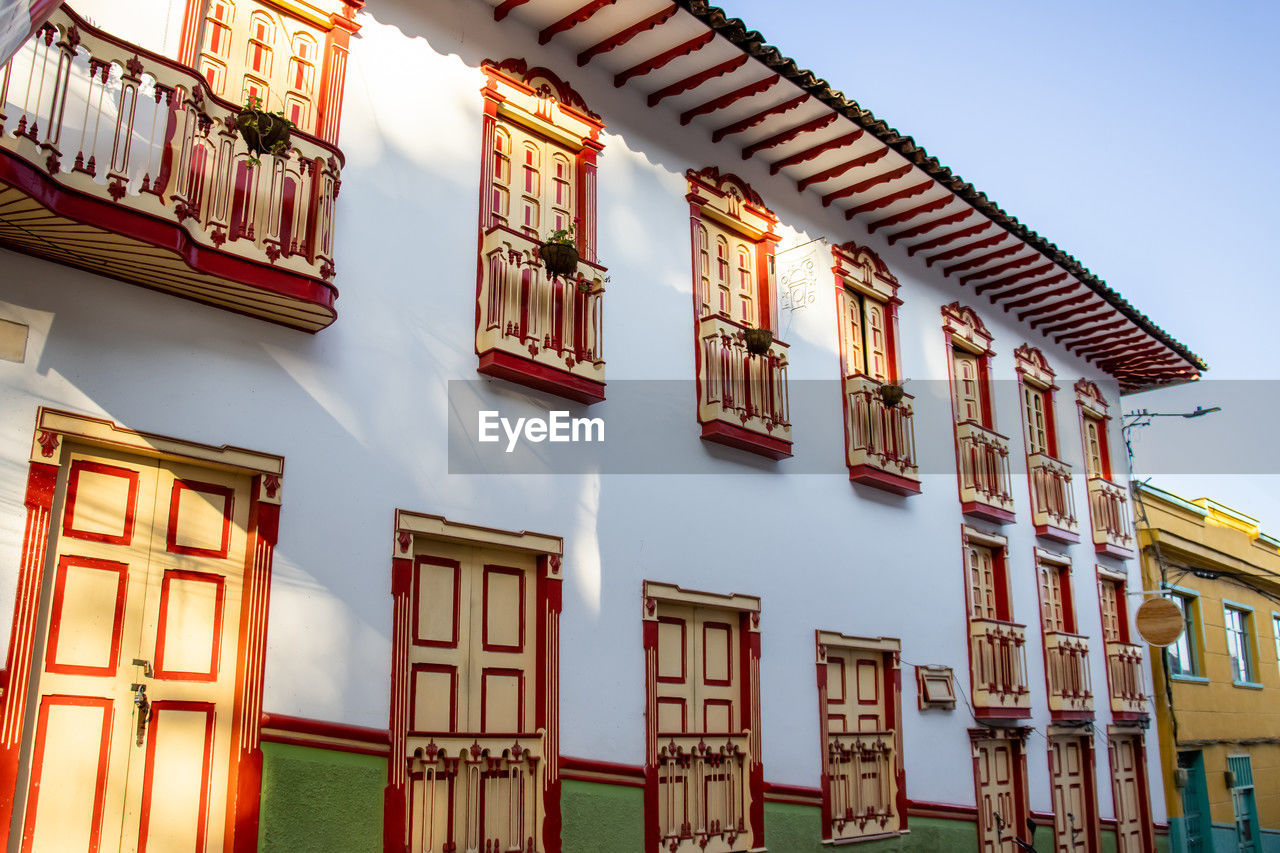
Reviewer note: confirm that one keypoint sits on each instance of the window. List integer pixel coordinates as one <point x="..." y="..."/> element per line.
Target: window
<point x="1238" y="622"/>
<point x="935" y="687"/>
<point x="997" y="645"/>
<point x="1109" y="512"/>
<point x="741" y="373"/>
<point x="471" y="678"/>
<point x="1055" y="597"/>
<point x="1093" y="429"/>
<point x="702" y="717"/>
<point x="862" y="765"/>
<point x="1052" y="497"/>
<point x="1184" y="653"/>
<point x="537" y="328"/>
<point x="982" y="454"/>
<point x="1066" y="653"/>
<point x="1115" y="626"/>
<point x="879" y="437"/>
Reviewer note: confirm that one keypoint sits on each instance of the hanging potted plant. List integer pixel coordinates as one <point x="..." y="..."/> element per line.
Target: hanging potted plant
<point x="891" y="393"/>
<point x="758" y="340"/>
<point x="559" y="254"/>
<point x="263" y="132"/>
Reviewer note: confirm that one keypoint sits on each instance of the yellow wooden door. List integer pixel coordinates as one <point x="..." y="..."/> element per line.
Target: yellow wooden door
<point x="967" y="391"/>
<point x="1070" y="775"/>
<point x="1128" y="793"/>
<point x="133" y="704"/>
<point x="996" y="795"/>
<point x="859" y="743"/>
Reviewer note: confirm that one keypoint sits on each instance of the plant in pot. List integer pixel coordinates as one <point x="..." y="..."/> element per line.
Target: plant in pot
<point x="891" y="393"/>
<point x="559" y="254"/>
<point x="758" y="340"/>
<point x="263" y="132"/>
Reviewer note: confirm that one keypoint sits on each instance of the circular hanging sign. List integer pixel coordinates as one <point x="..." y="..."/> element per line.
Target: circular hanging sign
<point x="1159" y="621"/>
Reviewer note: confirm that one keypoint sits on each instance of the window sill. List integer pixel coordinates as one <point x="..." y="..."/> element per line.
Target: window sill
<point x="1190" y="679"/>
<point x="1248" y="685"/>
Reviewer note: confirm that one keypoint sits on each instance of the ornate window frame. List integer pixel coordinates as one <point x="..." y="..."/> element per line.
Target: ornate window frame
<point x="1049" y="478"/>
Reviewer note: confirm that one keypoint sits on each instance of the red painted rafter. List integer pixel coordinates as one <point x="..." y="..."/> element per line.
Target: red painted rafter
<point x="1057" y="309"/>
<point x="869" y="183"/>
<point x="973" y="263"/>
<point x="907" y="215"/>
<point x="1037" y="297"/>
<point x="788" y="135"/>
<point x="1136" y="363"/>
<point x="653" y="63"/>
<point x="1014" y="279"/>
<point x="1081" y="333"/>
<point x="571" y="20"/>
<point x="971" y="231"/>
<point x="967" y="248"/>
<point x="1035" y="288"/>
<point x="696" y="80"/>
<point x="621" y="37"/>
<point x="1017" y="263"/>
<point x="730" y="98"/>
<point x="751" y="121"/>
<point x="1104" y="343"/>
<point x="1116" y="349"/>
<point x="926" y="227"/>
<point x="816" y="151"/>
<point x="504" y="8"/>
<point x="1074" y="321"/>
<point x="836" y="171"/>
<point x="885" y="201"/>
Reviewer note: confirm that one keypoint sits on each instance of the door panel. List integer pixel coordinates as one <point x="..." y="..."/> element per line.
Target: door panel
<point x="1128" y="794"/>
<point x="966" y="379"/>
<point x="1070" y="777"/>
<point x="697" y="668"/>
<point x="996" y="795"/>
<point x="149" y="567"/>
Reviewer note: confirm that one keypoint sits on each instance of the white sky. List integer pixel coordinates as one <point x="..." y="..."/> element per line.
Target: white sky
<point x="1138" y="137"/>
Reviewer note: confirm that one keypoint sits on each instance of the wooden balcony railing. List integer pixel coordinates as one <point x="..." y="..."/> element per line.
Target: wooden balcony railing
<point x="862" y="784"/>
<point x="1066" y="660"/>
<point x="998" y="668"/>
<point x="1109" y="512"/>
<point x="127" y="148"/>
<point x="536" y="329"/>
<point x="1053" y="504"/>
<point x="742" y="398"/>
<point x="881" y="440"/>
<point x="704" y="799"/>
<point x="984" y="473"/>
<point x="475" y="792"/>
<point x="1124" y="674"/>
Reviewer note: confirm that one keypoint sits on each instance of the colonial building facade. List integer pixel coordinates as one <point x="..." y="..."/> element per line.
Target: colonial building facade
<point x="843" y="556"/>
<point x="1216" y="685"/>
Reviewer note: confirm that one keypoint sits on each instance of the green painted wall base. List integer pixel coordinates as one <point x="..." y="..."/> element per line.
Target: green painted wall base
<point x="599" y="818"/>
<point x="320" y="801"/>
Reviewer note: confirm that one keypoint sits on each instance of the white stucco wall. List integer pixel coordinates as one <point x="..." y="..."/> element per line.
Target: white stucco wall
<point x="360" y="413"/>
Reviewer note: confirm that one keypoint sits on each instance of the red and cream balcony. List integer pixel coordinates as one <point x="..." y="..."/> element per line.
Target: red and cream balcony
<point x="1112" y="524"/>
<point x="537" y="329"/>
<point x="742" y="398"/>
<point x="862" y="782"/>
<point x="984" y="473"/>
<point x="1053" y="504"/>
<point x="880" y="440"/>
<point x="1124" y="672"/>
<point x="998" y="669"/>
<point x="115" y="160"/>
<point x="476" y="791"/>
<point x="704" y="796"/>
<point x="1066" y="661"/>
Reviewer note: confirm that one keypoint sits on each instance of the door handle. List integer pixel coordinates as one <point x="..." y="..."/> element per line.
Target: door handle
<point x="144" y="710"/>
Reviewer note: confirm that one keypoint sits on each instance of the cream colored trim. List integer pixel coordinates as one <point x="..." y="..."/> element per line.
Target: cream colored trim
<point x="1122" y="730"/>
<point x="1067" y="731"/>
<point x="105" y="433"/>
<point x="671" y="592"/>
<point x="837" y="640"/>
<point x="1109" y="574"/>
<point x="979" y="538"/>
<point x="437" y="527"/>
<point x="321" y="741"/>
<point x="1053" y="557"/>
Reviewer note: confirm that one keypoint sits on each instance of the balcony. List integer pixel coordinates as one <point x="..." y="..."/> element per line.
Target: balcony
<point x="113" y="159"/>
<point x="1124" y="672"/>
<point x="476" y="792"/>
<point x="1109" y="512"/>
<point x="984" y="473"/>
<point x="861" y="784"/>
<point x="998" y="669"/>
<point x="1066" y="661"/>
<point x="742" y="398"/>
<point x="538" y="330"/>
<point x="704" y="801"/>
<point x="1053" y="505"/>
<point x="880" y="440"/>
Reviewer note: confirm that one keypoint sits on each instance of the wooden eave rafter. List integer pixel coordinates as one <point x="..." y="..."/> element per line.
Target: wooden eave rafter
<point x="889" y="181"/>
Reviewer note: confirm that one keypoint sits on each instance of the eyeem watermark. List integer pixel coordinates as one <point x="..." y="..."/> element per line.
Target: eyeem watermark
<point x="557" y="428"/>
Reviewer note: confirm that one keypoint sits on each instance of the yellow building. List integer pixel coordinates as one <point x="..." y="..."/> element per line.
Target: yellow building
<point x="1217" y="689"/>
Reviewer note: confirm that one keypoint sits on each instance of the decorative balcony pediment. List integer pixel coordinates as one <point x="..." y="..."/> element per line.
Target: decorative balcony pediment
<point x="998" y="669"/>
<point x="742" y="398"/>
<point x="1053" y="503"/>
<point x="1066" y="658"/>
<point x="880" y="439"/>
<point x="114" y="159"/>
<point x="984" y="473"/>
<point x="1124" y="674"/>
<point x="1112" y="524"/>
